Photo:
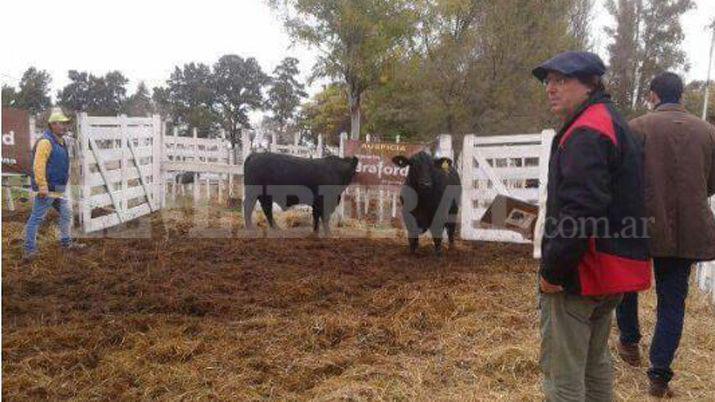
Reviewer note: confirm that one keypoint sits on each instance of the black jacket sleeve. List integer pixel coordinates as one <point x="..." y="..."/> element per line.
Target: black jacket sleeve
<point x="583" y="196"/>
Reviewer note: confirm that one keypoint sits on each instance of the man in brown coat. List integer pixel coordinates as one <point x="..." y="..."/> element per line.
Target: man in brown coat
<point x="679" y="151"/>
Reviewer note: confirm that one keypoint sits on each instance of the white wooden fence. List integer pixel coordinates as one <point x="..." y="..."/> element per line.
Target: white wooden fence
<point x="121" y="176"/>
<point x="705" y="271"/>
<point x="506" y="164"/>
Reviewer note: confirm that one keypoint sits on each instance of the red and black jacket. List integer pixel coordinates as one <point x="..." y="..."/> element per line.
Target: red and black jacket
<point x="595" y="240"/>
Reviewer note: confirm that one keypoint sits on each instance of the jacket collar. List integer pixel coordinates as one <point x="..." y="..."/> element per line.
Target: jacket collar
<point x="670" y="107"/>
<point x="57" y="139"/>
<point x="596" y="97"/>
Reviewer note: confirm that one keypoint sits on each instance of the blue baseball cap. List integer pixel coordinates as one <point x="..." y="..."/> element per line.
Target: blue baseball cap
<point x="573" y="64"/>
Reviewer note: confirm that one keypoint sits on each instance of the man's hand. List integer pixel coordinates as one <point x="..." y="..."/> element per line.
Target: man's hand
<point x="547" y="287"/>
<point x="43" y="192"/>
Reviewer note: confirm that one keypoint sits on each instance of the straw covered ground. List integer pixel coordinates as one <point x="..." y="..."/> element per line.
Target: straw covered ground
<point x="177" y="316"/>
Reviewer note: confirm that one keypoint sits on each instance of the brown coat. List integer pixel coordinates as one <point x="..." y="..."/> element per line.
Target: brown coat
<point x="679" y="177"/>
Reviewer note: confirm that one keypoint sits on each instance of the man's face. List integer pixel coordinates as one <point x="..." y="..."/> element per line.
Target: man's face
<point x="58" y="128"/>
<point x="565" y="94"/>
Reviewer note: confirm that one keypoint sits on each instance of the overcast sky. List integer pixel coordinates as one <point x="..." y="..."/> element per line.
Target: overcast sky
<point x="146" y="39"/>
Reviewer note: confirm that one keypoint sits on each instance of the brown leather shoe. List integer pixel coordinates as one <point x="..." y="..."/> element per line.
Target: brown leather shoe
<point x="629" y="352"/>
<point x="659" y="388"/>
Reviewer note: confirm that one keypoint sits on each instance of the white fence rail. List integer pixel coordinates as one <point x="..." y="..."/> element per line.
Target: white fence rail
<point x="120" y="169"/>
<point x="506" y="164"/>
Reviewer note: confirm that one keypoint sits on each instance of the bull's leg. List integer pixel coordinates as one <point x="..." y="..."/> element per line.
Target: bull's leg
<point x="437" y="245"/>
<point x="267" y="206"/>
<point x="414" y="242"/>
<point x="249" y="202"/>
<point x="451" y="230"/>
<point x="316" y="217"/>
<point x="325" y="218"/>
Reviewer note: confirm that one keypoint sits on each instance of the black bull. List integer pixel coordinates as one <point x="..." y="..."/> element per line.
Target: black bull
<point x="430" y="198"/>
<point x="289" y="180"/>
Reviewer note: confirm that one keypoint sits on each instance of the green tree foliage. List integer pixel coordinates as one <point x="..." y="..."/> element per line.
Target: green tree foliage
<point x="285" y="93"/>
<point x="469" y="68"/>
<point x="34" y="91"/>
<point x="237" y="85"/>
<point x="646" y="40"/>
<point x="190" y="97"/>
<point x="96" y="95"/>
<point x="358" y="40"/>
<point x="326" y="113"/>
<point x="9" y="95"/>
<point x="140" y="103"/>
<point x="160" y="102"/>
<point x="693" y="96"/>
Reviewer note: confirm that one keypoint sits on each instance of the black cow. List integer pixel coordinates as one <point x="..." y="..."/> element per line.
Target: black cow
<point x="289" y="180"/>
<point x="185" y="177"/>
<point x="430" y="198"/>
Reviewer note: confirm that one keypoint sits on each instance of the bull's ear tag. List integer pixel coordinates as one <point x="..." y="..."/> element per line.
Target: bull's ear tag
<point x="445" y="166"/>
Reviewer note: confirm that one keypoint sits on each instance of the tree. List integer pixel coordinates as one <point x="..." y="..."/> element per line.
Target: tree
<point x="34" y="90"/>
<point x="285" y="93"/>
<point x="237" y="86"/>
<point x="358" y="40"/>
<point x="139" y="104"/>
<point x="190" y="98"/>
<point x="693" y="99"/>
<point x="103" y="96"/>
<point x="160" y="102"/>
<point x="8" y="96"/>
<point x="469" y="68"/>
<point x="647" y="40"/>
<point x="326" y="113"/>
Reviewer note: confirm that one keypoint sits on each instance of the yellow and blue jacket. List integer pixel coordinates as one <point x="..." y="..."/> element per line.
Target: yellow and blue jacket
<point x="50" y="166"/>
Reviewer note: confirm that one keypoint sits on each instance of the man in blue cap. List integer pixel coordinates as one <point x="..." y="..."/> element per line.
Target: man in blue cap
<point x="594" y="247"/>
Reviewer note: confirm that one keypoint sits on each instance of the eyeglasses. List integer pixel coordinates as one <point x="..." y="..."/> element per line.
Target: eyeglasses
<point x="557" y="81"/>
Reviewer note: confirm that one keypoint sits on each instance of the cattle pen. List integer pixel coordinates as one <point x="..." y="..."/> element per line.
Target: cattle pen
<point x="174" y="300"/>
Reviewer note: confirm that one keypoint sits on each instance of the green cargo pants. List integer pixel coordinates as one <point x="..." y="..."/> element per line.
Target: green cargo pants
<point x="575" y="358"/>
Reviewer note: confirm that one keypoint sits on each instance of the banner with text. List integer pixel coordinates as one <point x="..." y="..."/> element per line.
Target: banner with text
<point x="375" y="167"/>
<point x="16" y="148"/>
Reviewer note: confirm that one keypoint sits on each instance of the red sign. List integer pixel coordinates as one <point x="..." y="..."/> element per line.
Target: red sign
<point x="375" y="167"/>
<point x="16" y="148"/>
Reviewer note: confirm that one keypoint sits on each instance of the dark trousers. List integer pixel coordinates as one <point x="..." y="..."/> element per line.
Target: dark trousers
<point x="671" y="286"/>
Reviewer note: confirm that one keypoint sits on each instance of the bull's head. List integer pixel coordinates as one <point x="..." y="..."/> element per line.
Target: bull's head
<point x="422" y="167"/>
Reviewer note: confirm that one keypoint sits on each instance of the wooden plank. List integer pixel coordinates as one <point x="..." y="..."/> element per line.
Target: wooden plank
<point x="507" y="139"/>
<point x="511" y="151"/>
<point x="202" y="167"/>
<point x="114" y="176"/>
<point x="107" y="221"/>
<point x="483" y="165"/>
<point x="102" y="121"/>
<point x="104" y="199"/>
<point x="509" y="173"/>
<point x="93" y="148"/>
<point x="135" y="161"/>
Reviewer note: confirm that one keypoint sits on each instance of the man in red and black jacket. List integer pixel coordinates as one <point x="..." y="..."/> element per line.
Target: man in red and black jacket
<point x="595" y="245"/>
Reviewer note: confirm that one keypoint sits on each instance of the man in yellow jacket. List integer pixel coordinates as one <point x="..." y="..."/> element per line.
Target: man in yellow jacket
<point x="50" y="175"/>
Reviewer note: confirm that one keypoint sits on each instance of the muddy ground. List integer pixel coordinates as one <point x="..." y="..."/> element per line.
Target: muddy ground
<point x="174" y="316"/>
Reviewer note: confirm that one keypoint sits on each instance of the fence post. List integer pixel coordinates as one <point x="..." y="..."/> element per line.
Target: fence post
<point x="124" y="202"/>
<point x="196" y="158"/>
<point x="444" y="147"/>
<point x="467" y="176"/>
<point x="175" y="157"/>
<point x="341" y="153"/>
<point x="158" y="176"/>
<point x="85" y="204"/>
